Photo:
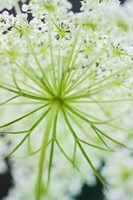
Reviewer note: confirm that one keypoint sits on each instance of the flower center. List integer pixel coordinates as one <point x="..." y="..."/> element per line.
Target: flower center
<point x="57" y="101"/>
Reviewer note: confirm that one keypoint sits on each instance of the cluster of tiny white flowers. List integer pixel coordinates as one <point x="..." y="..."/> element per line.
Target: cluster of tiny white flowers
<point x="119" y="174"/>
<point x="79" y="67"/>
<point x="9" y="4"/>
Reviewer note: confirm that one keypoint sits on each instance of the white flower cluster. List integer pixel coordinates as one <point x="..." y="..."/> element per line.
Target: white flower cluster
<point x="119" y="175"/>
<point x="66" y="86"/>
<point x="9" y="3"/>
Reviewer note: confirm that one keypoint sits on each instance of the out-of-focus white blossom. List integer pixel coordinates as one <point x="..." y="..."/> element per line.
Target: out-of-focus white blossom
<point x="8" y="3"/>
<point x="118" y="172"/>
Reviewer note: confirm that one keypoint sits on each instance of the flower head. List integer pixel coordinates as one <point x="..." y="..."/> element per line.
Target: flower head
<point x="62" y="78"/>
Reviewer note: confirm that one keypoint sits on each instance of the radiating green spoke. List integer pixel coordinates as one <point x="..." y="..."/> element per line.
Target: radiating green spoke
<point x="36" y="97"/>
<point x="110" y="76"/>
<point x="53" y="77"/>
<point x="23" y="94"/>
<point x="101" y="101"/>
<point x="103" y="141"/>
<point x="14" y="132"/>
<point x="92" y="166"/>
<point x="37" y="150"/>
<point x="70" y="74"/>
<point x="110" y="138"/>
<point x="83" y="151"/>
<point x="97" y="147"/>
<point x="99" y="136"/>
<point x="15" y="82"/>
<point x="87" y="116"/>
<point x="73" y="111"/>
<point x="24" y="28"/>
<point x="9" y="89"/>
<point x="13" y="151"/>
<point x="23" y="91"/>
<point x="79" y="81"/>
<point x="29" y="86"/>
<point x="9" y="100"/>
<point x="74" y="152"/>
<point x="32" y="76"/>
<point x="29" y="132"/>
<point x="73" y="117"/>
<point x="86" y="91"/>
<point x="96" y="130"/>
<point x="78" y="114"/>
<point x="68" y="64"/>
<point x="67" y="157"/>
<point x="22" y="117"/>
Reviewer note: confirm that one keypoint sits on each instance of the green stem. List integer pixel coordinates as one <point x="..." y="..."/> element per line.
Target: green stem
<point x="52" y="150"/>
<point x="51" y="117"/>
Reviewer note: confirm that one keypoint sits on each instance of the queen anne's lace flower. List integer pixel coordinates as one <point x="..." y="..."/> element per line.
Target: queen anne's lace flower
<point x="66" y="87"/>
